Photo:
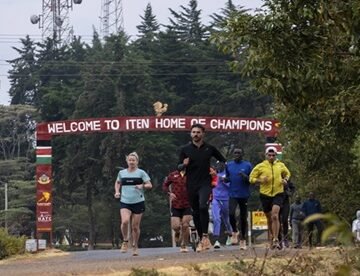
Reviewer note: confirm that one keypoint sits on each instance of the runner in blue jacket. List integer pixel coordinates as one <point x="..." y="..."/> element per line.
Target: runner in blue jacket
<point x="237" y="173"/>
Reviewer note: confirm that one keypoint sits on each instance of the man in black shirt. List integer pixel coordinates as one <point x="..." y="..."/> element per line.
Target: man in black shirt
<point x="195" y="157"/>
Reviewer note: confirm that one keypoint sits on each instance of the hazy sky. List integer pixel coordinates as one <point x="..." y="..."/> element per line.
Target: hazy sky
<point x="15" y="22"/>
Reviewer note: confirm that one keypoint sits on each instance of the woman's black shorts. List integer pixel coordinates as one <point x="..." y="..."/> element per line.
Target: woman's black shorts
<point x="135" y="208"/>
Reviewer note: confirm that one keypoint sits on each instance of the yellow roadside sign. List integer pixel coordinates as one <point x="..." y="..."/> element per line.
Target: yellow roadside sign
<point x="258" y="220"/>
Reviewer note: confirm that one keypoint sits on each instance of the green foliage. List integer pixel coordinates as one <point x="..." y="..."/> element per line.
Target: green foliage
<point x="187" y="23"/>
<point x="145" y="272"/>
<point x="17" y="126"/>
<point x="157" y="210"/>
<point x="298" y="52"/>
<point x="149" y="26"/>
<point x="119" y="77"/>
<point x="356" y="151"/>
<point x="22" y="81"/>
<point x="10" y="245"/>
<point x="335" y="225"/>
<point x="20" y="216"/>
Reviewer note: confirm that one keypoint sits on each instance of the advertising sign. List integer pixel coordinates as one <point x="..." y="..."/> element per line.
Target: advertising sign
<point x="258" y="220"/>
<point x="44" y="218"/>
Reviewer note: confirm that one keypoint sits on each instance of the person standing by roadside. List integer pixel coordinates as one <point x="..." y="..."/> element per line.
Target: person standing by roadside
<point x="356" y="227"/>
<point x="237" y="173"/>
<point x="181" y="214"/>
<point x="271" y="175"/>
<point x="296" y="218"/>
<point x="220" y="204"/>
<point x="312" y="206"/>
<point x="129" y="188"/>
<point x="195" y="158"/>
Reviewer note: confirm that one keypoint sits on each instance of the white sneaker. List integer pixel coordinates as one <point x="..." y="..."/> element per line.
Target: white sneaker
<point x="242" y="245"/>
<point x="228" y="241"/>
<point x="217" y="245"/>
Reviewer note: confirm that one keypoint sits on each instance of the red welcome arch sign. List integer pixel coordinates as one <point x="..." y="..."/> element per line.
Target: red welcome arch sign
<point x="45" y="132"/>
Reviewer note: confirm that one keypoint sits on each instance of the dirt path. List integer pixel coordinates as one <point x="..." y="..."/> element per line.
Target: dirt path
<point x="112" y="262"/>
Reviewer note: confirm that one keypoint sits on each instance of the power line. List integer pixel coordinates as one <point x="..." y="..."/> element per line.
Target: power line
<point x="127" y="74"/>
<point x="37" y="35"/>
<point x="67" y="63"/>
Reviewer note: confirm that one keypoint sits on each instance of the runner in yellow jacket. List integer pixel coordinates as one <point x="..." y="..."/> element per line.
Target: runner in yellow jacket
<point x="272" y="175"/>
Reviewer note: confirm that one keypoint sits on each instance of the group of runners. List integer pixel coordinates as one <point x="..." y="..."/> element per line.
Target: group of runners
<point x="190" y="190"/>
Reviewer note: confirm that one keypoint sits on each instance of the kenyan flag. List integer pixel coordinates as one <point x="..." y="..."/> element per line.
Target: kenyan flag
<point x="43" y="155"/>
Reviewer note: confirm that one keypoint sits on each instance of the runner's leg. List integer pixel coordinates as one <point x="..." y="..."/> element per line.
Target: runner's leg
<point x="194" y="202"/>
<point x="125" y="215"/>
<point x="275" y="223"/>
<point x="185" y="222"/>
<point x="215" y="209"/>
<point x="204" y="195"/>
<point x="232" y="213"/>
<point x="176" y="226"/>
<point x="136" y="219"/>
<point x="243" y="217"/>
<point x="224" y="211"/>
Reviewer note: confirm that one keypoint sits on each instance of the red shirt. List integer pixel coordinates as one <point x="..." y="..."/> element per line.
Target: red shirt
<point x="178" y="187"/>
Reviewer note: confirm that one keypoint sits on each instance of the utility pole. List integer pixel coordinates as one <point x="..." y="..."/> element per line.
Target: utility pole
<point x="6" y="205"/>
<point x="111" y="19"/>
<point x="54" y="19"/>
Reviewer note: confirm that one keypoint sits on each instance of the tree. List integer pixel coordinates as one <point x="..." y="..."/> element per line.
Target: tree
<point x="305" y="55"/>
<point x="187" y="23"/>
<point x="149" y="25"/>
<point x="17" y="126"/>
<point x="59" y="78"/>
<point x="22" y="78"/>
<point x="219" y="20"/>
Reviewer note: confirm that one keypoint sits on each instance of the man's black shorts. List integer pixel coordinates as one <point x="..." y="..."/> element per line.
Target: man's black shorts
<point x="267" y="202"/>
<point x="135" y="208"/>
<point x="180" y="212"/>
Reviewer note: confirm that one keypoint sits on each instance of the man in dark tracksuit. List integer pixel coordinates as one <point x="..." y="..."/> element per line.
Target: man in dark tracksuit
<point x="312" y="206"/>
<point x="289" y="190"/>
<point x="195" y="157"/>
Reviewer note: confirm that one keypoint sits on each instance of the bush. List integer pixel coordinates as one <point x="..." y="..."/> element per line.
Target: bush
<point x="10" y="245"/>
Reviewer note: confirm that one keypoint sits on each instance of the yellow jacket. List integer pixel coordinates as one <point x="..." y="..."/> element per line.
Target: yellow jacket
<point x="270" y="176"/>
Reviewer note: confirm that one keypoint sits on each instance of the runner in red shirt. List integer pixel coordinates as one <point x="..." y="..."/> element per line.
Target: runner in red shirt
<point x="181" y="213"/>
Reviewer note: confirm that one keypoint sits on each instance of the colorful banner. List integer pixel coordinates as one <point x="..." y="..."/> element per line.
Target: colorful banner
<point x="43" y="155"/>
<point x="43" y="186"/>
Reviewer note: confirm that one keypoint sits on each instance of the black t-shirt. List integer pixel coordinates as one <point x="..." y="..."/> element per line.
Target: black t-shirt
<point x="198" y="169"/>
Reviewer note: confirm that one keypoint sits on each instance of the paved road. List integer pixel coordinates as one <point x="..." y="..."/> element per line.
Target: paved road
<point x="102" y="262"/>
